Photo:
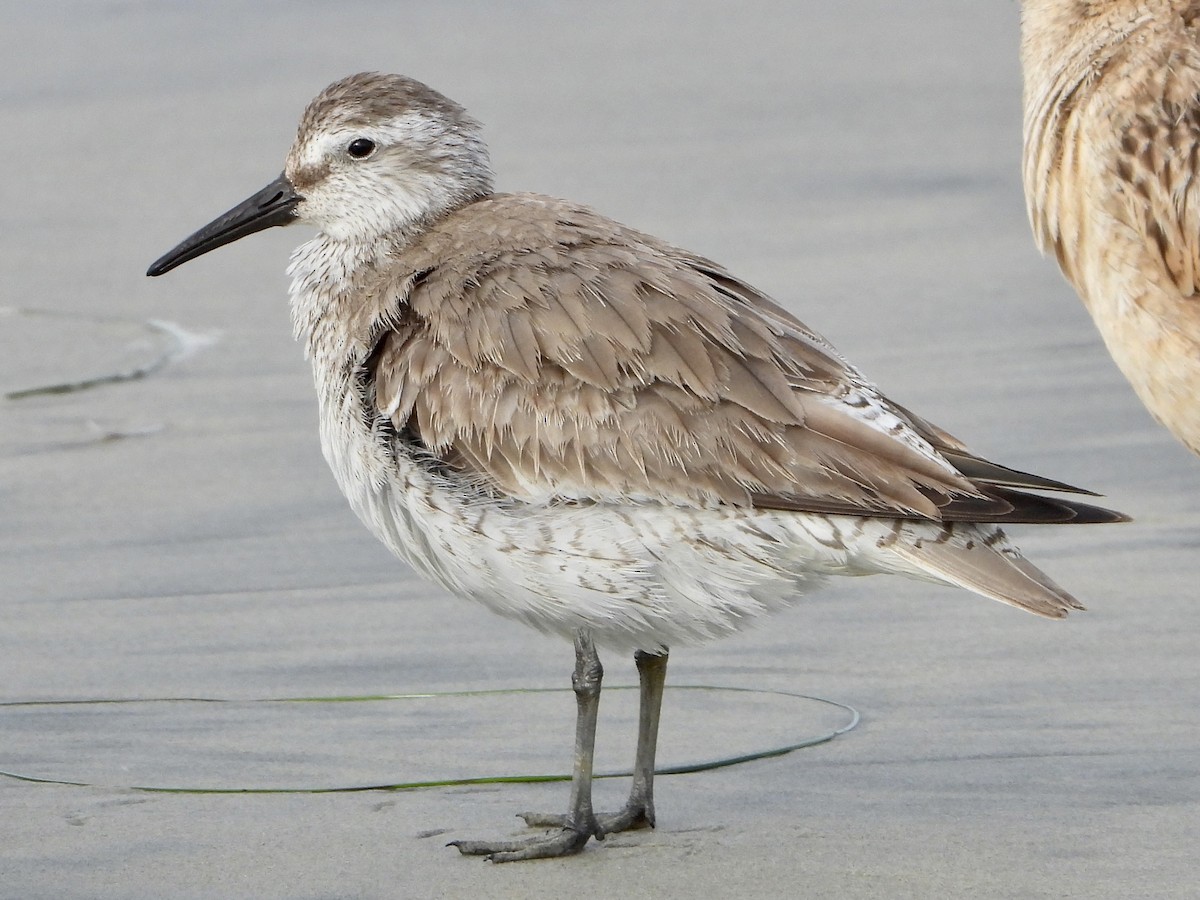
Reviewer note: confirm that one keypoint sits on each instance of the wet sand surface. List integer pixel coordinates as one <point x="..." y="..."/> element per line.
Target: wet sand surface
<point x="179" y="536"/>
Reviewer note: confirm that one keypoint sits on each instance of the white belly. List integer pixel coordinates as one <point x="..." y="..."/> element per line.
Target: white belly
<point x="638" y="576"/>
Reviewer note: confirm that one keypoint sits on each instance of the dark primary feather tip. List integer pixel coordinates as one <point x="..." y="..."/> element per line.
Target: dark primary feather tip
<point x="1034" y="509"/>
<point x="984" y="470"/>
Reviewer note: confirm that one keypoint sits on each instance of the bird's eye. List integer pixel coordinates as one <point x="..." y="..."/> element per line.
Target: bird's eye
<point x="360" y="148"/>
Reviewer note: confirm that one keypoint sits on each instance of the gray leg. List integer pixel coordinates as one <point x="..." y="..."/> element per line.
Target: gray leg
<point x="579" y="824"/>
<point x="639" y="809"/>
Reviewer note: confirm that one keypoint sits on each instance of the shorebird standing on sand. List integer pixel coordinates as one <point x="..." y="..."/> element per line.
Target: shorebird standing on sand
<point x="1112" y="181"/>
<point x="591" y="431"/>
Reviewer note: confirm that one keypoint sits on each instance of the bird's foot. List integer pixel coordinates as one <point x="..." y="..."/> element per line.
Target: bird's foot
<point x="636" y="814"/>
<point x="567" y="841"/>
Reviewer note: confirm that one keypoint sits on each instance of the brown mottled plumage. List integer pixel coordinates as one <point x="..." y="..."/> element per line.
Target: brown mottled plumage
<point x="594" y="432"/>
<point x="1112" y="159"/>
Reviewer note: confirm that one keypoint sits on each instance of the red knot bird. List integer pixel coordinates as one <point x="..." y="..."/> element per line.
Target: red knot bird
<point x="591" y="431"/>
<point x="1112" y="181"/>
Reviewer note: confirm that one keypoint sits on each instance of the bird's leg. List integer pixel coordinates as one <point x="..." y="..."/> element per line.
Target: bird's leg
<point x="639" y="808"/>
<point x="579" y="824"/>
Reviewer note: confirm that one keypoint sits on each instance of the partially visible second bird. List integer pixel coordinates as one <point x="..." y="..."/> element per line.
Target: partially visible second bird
<point x="1112" y="181"/>
<point x="592" y="431"/>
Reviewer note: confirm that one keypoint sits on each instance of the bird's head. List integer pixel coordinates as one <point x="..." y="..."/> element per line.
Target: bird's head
<point x="375" y="155"/>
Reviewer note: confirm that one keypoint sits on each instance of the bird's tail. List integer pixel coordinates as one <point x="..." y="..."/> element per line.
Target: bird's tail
<point x="981" y="559"/>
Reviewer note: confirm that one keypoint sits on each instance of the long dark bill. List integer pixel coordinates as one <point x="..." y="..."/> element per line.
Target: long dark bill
<point x="273" y="205"/>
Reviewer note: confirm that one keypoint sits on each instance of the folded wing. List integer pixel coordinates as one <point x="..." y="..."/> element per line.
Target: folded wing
<point x="560" y="356"/>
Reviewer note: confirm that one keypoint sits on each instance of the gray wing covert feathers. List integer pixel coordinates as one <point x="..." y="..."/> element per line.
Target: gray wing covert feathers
<point x="557" y="355"/>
